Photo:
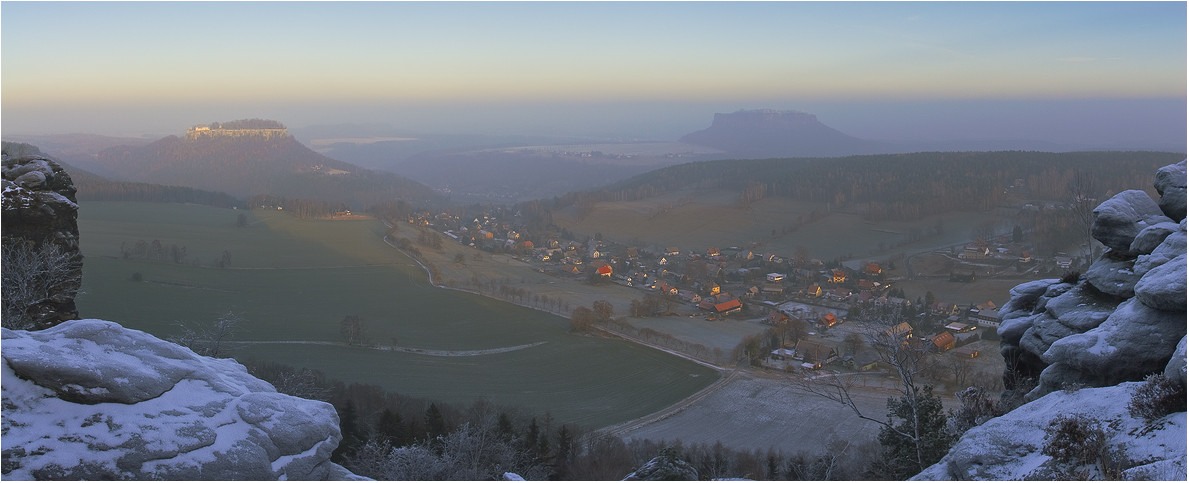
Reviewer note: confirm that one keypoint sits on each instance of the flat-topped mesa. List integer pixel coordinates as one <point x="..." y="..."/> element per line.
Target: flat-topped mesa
<point x="754" y="117"/>
<point x="263" y="128"/>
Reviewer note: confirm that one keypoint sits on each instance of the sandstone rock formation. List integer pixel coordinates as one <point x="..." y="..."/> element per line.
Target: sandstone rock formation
<point x="40" y="238"/>
<point x="665" y="467"/>
<point x="89" y="399"/>
<point x="1009" y="447"/>
<point x="1123" y="318"/>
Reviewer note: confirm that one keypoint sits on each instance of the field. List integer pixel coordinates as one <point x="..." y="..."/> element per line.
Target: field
<point x="715" y="219"/>
<point x="761" y="412"/>
<point x="292" y="281"/>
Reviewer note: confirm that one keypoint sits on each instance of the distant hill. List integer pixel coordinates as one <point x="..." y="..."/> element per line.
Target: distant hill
<point x="771" y="133"/>
<point x="245" y="166"/>
<point x="892" y="186"/>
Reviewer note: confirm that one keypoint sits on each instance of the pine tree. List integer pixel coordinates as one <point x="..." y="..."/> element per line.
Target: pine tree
<point x="391" y="428"/>
<point x="902" y="456"/>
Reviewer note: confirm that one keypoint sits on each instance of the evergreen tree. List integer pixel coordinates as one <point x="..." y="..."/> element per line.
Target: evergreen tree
<point x="390" y="428"/>
<point x="349" y="429"/>
<point x="435" y="424"/>
<point x="902" y="456"/>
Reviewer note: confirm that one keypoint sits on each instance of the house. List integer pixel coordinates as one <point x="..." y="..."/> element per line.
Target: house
<point x="753" y="291"/>
<point x="633" y="253"/>
<point x="605" y="271"/>
<point x="901" y="331"/>
<point x="672" y="251"/>
<point x="775" y="277"/>
<point x="713" y="288"/>
<point x="773" y="288"/>
<point x="873" y="269"/>
<point x="828" y="320"/>
<point x="729" y="306"/>
<point x="775" y="318"/>
<point x="867" y="285"/>
<point x="667" y="290"/>
<point x="988" y="315"/>
<point x="707" y="304"/>
<point x="965" y="351"/>
<point x="943" y="342"/>
<point x="975" y="253"/>
<point x="663" y="261"/>
<point x="783" y="354"/>
<point x="864" y="296"/>
<point x="689" y="296"/>
<point x="1063" y="262"/>
<point x="837" y="276"/>
<point x="868" y="365"/>
<point x="816" y="353"/>
<point x="1025" y="257"/>
<point x="959" y="327"/>
<point x="713" y="252"/>
<point x="986" y="305"/>
<point x="840" y="293"/>
<point x="814" y="291"/>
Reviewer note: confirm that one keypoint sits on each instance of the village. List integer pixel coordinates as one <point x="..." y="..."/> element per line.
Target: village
<point x="834" y="301"/>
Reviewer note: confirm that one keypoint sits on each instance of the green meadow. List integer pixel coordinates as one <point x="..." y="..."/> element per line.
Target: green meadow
<point x="292" y="281"/>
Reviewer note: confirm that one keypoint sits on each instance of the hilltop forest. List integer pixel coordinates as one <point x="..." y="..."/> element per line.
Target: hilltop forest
<point x="898" y="187"/>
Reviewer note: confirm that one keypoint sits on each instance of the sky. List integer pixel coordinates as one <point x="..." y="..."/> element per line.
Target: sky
<point x="652" y="69"/>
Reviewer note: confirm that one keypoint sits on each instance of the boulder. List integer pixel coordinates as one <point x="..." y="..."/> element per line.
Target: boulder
<point x="1151" y="237"/>
<point x="666" y="467"/>
<point x="1009" y="447"/>
<point x="1113" y="276"/>
<point x="1059" y="376"/>
<point x="1011" y="330"/>
<point x="1044" y="332"/>
<point x="1170" y="184"/>
<point x="40" y="220"/>
<point x="1172" y="247"/>
<point x="89" y="399"/>
<point x="1135" y="341"/>
<point x="1163" y="287"/>
<point x="1118" y="220"/>
<point x="1176" y="364"/>
<point x="1082" y="308"/>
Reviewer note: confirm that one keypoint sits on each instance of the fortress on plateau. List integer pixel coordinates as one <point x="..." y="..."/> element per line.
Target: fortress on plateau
<point x="241" y="128"/>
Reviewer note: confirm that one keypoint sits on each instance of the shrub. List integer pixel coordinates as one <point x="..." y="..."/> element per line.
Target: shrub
<point x="1071" y="276"/>
<point x="1075" y="439"/>
<point x="1159" y="396"/>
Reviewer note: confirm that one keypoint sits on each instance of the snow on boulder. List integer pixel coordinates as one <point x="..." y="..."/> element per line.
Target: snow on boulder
<point x="1113" y="276"/>
<point x="1135" y="341"/>
<point x="1118" y="220"/>
<point x="1172" y="247"/>
<point x="1151" y="237"/>
<point x="1170" y="183"/>
<point x="89" y="399"/>
<point x="1009" y="447"/>
<point x="1163" y="287"/>
<point x="1175" y="369"/>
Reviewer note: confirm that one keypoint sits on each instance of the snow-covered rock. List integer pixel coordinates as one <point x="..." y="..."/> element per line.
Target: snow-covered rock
<point x="89" y="399"/>
<point x="1175" y="369"/>
<point x="1009" y="447"/>
<point x="1113" y="276"/>
<point x="666" y="467"/>
<point x="1123" y="318"/>
<point x="40" y="211"/>
<point x="1170" y="184"/>
<point x="1119" y="220"/>
<point x="1163" y="287"/>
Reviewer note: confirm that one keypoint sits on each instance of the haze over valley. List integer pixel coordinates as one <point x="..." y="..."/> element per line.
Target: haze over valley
<point x="586" y="241"/>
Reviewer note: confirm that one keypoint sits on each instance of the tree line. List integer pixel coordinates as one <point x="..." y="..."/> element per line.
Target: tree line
<point x="887" y="187"/>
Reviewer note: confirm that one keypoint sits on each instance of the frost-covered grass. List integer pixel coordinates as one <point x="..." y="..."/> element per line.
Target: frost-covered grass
<point x="296" y="279"/>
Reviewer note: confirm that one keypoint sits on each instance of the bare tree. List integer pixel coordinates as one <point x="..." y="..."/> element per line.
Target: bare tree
<point x="208" y="339"/>
<point x="961" y="368"/>
<point x="31" y="279"/>
<point x="353" y="329"/>
<point x="1082" y="192"/>
<point x="909" y="361"/>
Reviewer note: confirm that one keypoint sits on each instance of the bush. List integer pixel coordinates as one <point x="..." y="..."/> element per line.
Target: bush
<point x="1159" y="396"/>
<point x="1075" y="439"/>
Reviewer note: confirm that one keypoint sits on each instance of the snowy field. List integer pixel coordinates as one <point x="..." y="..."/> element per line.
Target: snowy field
<point x="761" y="413"/>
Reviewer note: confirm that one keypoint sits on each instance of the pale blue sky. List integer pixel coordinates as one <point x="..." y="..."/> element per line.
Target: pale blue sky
<point x="345" y="59"/>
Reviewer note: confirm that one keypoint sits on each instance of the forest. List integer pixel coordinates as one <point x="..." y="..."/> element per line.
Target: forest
<point x="898" y="187"/>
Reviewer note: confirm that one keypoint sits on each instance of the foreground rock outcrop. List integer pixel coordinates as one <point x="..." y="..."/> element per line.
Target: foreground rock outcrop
<point x="1122" y="319"/>
<point x="1009" y="447"/>
<point x="89" y="399"/>
<point x="40" y="219"/>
